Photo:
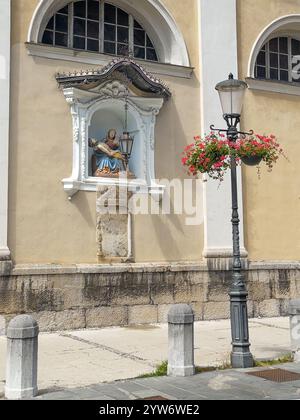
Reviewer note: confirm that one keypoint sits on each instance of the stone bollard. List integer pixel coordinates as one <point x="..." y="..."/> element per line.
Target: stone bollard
<point x="294" y="311"/>
<point x="21" y="365"/>
<point x="181" y="341"/>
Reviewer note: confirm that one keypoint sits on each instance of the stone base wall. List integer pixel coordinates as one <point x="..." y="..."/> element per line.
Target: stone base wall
<point x="76" y="297"/>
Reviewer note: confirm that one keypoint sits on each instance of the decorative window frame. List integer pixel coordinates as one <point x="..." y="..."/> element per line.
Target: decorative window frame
<point x="278" y="28"/>
<point x="151" y="14"/>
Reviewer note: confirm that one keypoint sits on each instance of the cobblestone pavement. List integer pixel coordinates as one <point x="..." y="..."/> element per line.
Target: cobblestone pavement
<point x="222" y="385"/>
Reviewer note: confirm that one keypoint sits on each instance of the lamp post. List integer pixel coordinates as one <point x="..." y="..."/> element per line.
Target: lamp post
<point x="232" y="93"/>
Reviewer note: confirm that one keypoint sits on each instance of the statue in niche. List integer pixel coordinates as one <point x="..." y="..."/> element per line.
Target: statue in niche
<point x="107" y="160"/>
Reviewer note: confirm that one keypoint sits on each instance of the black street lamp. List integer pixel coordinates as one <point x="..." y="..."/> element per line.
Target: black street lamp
<point x="232" y="94"/>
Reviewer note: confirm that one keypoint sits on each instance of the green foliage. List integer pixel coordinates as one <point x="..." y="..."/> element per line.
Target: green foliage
<point x="281" y="361"/>
<point x="162" y="369"/>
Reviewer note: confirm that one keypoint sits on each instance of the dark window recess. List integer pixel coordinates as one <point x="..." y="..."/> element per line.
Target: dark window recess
<point x="123" y="35"/>
<point x="79" y="43"/>
<point x="283" y="45"/>
<point x="151" y="55"/>
<point x="295" y="47"/>
<point x="261" y="58"/>
<point x="61" y="39"/>
<point x="149" y="43"/>
<point x="273" y="45"/>
<point x="93" y="45"/>
<point x="109" y="33"/>
<point x="139" y="53"/>
<point x="284" y="75"/>
<point x="61" y="23"/>
<point x="109" y="48"/>
<point x="123" y="18"/>
<point x="273" y="60"/>
<point x="274" y="74"/>
<point x="80" y="9"/>
<point x="93" y="29"/>
<point x="110" y="13"/>
<point x="93" y="10"/>
<point x="284" y="62"/>
<point x="79" y="27"/>
<point x="139" y="37"/>
<point x="260" y="72"/>
<point x="48" y="38"/>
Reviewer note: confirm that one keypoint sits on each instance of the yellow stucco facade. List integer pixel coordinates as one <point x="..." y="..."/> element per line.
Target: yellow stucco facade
<point x="272" y="204"/>
<point x="44" y="227"/>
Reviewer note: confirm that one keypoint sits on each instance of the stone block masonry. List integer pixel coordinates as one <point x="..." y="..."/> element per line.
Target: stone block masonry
<point x="97" y="296"/>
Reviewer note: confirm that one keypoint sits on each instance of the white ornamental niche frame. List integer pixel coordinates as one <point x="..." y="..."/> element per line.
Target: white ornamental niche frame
<point x="98" y="94"/>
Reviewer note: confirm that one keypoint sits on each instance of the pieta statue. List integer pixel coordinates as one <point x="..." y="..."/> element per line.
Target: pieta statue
<point x="107" y="160"/>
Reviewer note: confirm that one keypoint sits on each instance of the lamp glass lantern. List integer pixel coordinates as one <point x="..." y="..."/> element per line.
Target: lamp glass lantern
<point x="126" y="140"/>
<point x="126" y="144"/>
<point x="232" y="93"/>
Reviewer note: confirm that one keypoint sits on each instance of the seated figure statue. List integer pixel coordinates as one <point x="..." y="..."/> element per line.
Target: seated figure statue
<point x="108" y="161"/>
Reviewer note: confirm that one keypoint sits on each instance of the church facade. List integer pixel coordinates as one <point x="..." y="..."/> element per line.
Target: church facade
<point x="78" y="80"/>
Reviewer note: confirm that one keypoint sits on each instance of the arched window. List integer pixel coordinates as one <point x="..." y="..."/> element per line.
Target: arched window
<point x="278" y="60"/>
<point x="94" y="25"/>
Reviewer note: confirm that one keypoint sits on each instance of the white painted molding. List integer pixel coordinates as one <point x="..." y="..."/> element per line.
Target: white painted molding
<point x="222" y="253"/>
<point x="151" y="14"/>
<point x="221" y="36"/>
<point x="275" y="26"/>
<point x="5" y="26"/>
<point x="85" y="57"/>
<point x="184" y="266"/>
<point x="286" y="88"/>
<point x="143" y="112"/>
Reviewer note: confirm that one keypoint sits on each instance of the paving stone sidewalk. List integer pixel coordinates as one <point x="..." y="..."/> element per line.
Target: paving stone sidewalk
<point x="72" y="361"/>
<point x="222" y="385"/>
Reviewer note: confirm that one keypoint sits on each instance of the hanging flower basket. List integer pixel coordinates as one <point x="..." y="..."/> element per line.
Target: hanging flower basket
<point x="251" y="160"/>
<point x="212" y="155"/>
<point x="255" y="149"/>
<point x="208" y="156"/>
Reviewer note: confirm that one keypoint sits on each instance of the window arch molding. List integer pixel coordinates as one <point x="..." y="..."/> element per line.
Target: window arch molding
<point x="284" y="26"/>
<point x="151" y="14"/>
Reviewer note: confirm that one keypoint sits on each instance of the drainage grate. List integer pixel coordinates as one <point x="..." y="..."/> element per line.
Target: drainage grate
<point x="276" y="375"/>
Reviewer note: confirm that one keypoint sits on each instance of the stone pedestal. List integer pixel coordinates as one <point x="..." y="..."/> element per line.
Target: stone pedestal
<point x="114" y="230"/>
<point x="22" y="358"/>
<point x="294" y="311"/>
<point x="181" y="341"/>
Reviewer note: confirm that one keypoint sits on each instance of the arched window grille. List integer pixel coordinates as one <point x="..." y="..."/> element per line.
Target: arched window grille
<point x="94" y="25"/>
<point x="279" y="60"/>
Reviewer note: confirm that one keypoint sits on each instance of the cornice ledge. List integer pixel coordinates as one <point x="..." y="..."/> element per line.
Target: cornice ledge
<point x="274" y="265"/>
<point x="264" y="85"/>
<point x="86" y="57"/>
